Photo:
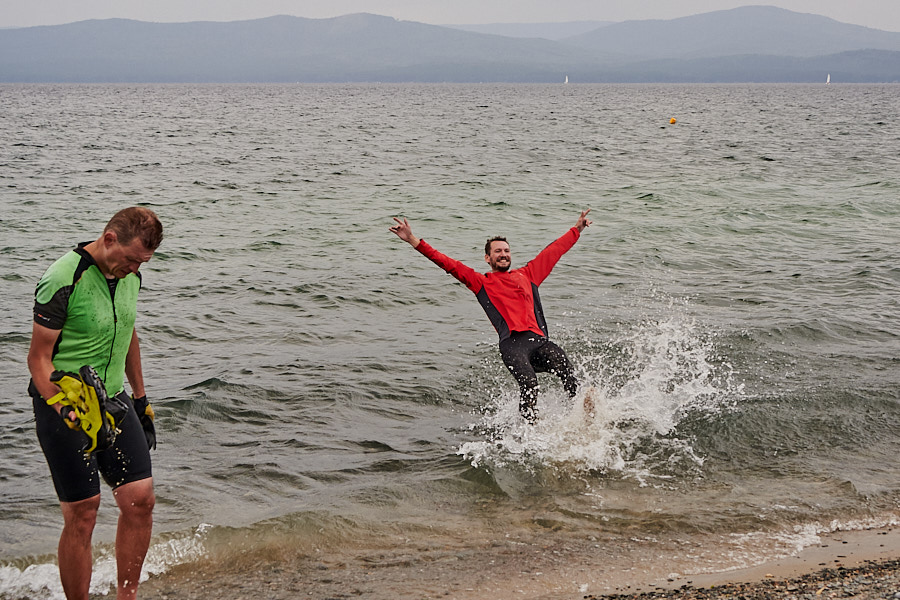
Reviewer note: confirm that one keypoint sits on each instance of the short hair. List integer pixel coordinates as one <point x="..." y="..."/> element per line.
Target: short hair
<point x="136" y="222"/>
<point x="496" y="238"/>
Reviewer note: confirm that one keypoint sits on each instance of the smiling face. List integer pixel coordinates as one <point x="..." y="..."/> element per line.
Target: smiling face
<point x="499" y="258"/>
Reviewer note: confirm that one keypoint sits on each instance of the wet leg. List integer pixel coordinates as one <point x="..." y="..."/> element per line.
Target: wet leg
<point x="75" y="559"/>
<point x="551" y="358"/>
<point x="516" y="356"/>
<point x="136" y="501"/>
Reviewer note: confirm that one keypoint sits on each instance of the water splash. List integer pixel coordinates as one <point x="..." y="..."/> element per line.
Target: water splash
<point x="40" y="580"/>
<point x="636" y="391"/>
<point x="176" y="550"/>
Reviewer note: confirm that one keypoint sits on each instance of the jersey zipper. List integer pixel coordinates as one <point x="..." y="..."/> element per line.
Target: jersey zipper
<point x="112" y="344"/>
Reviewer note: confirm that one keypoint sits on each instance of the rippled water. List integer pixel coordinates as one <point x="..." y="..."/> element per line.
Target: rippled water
<point x="734" y="308"/>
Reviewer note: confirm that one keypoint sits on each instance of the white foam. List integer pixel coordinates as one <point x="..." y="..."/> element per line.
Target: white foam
<point x="175" y="551"/>
<point x="663" y="371"/>
<point x="40" y="581"/>
<point x="34" y="581"/>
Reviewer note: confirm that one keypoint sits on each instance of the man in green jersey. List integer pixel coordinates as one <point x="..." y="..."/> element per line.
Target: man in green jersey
<point x="84" y="314"/>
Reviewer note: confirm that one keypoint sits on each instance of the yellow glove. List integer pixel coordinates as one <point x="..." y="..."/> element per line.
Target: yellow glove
<point x="91" y="415"/>
<point x="70" y="395"/>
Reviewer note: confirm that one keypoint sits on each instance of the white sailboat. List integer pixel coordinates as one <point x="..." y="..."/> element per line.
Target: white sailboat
<point x="567" y="79"/>
<point x="828" y="79"/>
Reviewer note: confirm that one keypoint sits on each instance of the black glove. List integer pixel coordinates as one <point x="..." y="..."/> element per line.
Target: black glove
<point x="145" y="414"/>
<point x="64" y="413"/>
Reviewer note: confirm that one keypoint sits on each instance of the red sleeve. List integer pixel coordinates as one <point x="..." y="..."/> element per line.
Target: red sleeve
<point x="467" y="275"/>
<point x="539" y="268"/>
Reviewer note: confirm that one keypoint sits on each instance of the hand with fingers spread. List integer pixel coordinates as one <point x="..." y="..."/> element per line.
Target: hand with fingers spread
<point x="404" y="232"/>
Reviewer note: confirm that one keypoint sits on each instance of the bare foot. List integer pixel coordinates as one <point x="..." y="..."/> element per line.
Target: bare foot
<point x="589" y="402"/>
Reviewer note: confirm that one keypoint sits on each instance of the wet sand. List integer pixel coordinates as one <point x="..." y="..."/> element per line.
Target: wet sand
<point x="858" y="564"/>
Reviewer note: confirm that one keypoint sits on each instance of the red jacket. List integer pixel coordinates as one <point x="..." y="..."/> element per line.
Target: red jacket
<point x="510" y="299"/>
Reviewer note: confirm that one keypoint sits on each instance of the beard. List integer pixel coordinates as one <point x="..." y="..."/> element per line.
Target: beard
<point x="501" y="267"/>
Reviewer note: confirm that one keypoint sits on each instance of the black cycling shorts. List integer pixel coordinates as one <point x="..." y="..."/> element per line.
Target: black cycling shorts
<point x="75" y="476"/>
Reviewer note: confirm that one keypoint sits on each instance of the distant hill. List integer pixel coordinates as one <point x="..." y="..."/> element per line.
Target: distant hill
<point x="547" y="31"/>
<point x="746" y="44"/>
<point x="358" y="47"/>
<point x="746" y="30"/>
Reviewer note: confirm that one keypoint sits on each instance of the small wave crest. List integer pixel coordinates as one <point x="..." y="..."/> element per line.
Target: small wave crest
<point x="40" y="578"/>
<point x="636" y="390"/>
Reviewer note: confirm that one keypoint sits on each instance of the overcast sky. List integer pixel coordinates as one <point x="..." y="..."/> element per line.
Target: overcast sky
<point x="880" y="14"/>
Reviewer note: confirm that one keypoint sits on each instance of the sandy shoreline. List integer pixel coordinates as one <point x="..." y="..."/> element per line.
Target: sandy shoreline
<point x="857" y="564"/>
<point x="848" y="550"/>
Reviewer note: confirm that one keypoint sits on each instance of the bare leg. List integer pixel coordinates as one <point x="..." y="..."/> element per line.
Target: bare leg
<point x="136" y="501"/>
<point x="75" y="558"/>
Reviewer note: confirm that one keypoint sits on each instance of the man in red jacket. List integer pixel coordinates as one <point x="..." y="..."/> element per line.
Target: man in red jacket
<point x="510" y="299"/>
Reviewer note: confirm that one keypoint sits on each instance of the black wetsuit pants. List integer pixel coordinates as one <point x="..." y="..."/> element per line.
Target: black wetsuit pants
<point x="526" y="354"/>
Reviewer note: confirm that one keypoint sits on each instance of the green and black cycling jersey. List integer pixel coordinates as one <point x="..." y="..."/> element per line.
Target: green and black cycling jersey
<point x="95" y="316"/>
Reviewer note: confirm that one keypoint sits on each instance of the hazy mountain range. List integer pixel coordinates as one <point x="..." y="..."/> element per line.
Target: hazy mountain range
<point x="748" y="44"/>
<point x="550" y="31"/>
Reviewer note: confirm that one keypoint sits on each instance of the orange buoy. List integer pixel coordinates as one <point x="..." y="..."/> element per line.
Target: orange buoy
<point x="672" y="121"/>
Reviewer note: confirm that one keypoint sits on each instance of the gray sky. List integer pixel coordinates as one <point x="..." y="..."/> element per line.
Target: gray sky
<point x="880" y="14"/>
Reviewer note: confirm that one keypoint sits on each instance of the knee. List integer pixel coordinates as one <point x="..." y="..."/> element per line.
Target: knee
<point x="139" y="512"/>
<point x="568" y="379"/>
<point x="137" y="503"/>
<point x="524" y="377"/>
<point x="141" y="505"/>
<point x="81" y="516"/>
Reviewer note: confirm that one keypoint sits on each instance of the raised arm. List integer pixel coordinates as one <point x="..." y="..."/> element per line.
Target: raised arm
<point x="404" y="232"/>
<point x="539" y="268"/>
<point x="464" y="274"/>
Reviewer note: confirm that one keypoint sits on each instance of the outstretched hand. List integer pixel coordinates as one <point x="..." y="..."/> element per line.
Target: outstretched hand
<point x="583" y="221"/>
<point x="404" y="232"/>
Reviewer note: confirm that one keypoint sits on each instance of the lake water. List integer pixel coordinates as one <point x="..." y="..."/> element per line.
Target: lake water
<point x="319" y="385"/>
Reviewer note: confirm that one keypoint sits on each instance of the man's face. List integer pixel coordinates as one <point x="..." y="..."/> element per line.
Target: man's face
<point x="124" y="259"/>
<point x="500" y="258"/>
